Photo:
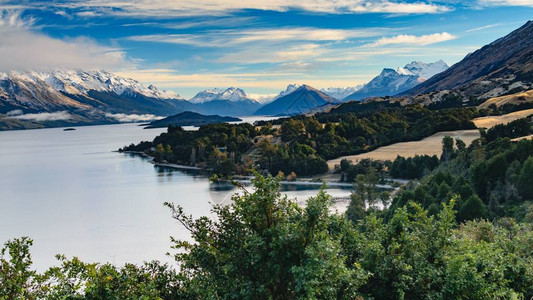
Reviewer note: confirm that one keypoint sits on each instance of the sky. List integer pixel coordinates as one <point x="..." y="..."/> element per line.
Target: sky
<point x="258" y="45"/>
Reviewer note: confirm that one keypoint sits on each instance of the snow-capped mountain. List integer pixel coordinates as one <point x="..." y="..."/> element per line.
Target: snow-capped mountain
<point x="340" y="92"/>
<point x="423" y="70"/>
<point x="391" y="82"/>
<point x="84" y="97"/>
<point x="229" y="94"/>
<point x="81" y="82"/>
<point x="229" y="102"/>
<point x="302" y="100"/>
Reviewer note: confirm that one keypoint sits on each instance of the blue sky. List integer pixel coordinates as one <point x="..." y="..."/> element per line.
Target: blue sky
<point x="261" y="46"/>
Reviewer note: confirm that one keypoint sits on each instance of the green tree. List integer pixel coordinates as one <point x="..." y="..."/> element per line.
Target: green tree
<point x="264" y="246"/>
<point x="472" y="208"/>
<point x="16" y="278"/>
<point x="447" y="148"/>
<point x="525" y="179"/>
<point x="159" y="152"/>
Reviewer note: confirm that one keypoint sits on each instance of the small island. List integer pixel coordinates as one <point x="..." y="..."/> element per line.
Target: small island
<point x="189" y="118"/>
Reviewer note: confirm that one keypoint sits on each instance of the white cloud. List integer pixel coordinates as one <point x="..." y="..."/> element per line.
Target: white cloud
<point x="507" y="2"/>
<point x="413" y="39"/>
<point x="23" y="48"/>
<point x="225" y="38"/>
<point x="267" y="54"/>
<point x="165" y="8"/>
<point x="43" y="117"/>
<point x="125" y="118"/>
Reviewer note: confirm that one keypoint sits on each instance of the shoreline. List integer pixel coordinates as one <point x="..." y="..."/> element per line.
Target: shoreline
<point x="168" y="165"/>
<point x="247" y="179"/>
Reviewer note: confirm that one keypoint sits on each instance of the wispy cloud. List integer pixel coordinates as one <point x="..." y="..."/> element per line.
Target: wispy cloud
<point x="43" y="117"/>
<point x="263" y="54"/>
<point x="11" y="19"/>
<point x="164" y="8"/>
<point x="407" y="39"/>
<point x="21" y="47"/>
<point x="484" y="27"/>
<point x="125" y="118"/>
<point x="506" y="2"/>
<point x="225" y="38"/>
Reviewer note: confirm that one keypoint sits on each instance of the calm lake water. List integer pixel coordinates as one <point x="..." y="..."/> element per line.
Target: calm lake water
<point x="73" y="195"/>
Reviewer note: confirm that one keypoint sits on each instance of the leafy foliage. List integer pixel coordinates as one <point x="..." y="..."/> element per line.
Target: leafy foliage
<point x="265" y="246"/>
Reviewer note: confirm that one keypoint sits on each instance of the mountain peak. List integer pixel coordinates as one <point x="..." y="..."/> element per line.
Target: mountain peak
<point x="303" y="99"/>
<point x="423" y="70"/>
<point x="306" y="88"/>
<point x="228" y="94"/>
<point x="391" y="82"/>
<point x="388" y="72"/>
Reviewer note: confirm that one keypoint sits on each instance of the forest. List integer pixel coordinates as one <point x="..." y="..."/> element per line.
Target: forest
<point x="301" y="144"/>
<point x="490" y="179"/>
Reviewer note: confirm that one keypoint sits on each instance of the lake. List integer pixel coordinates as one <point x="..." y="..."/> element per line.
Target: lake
<point x="70" y="193"/>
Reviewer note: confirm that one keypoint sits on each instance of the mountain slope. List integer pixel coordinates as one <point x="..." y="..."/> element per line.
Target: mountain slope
<point x="493" y="68"/>
<point x="301" y="100"/>
<point x="391" y="82"/>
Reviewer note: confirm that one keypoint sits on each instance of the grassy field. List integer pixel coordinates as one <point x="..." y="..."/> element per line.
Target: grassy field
<point x="515" y="99"/>
<point x="491" y="121"/>
<point x="431" y="145"/>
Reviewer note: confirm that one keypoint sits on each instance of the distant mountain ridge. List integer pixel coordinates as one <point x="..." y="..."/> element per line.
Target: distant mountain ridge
<point x="391" y="82"/>
<point x="230" y="102"/>
<point x="302" y="100"/>
<point x="335" y="92"/>
<point x="80" y="82"/>
<point x="230" y="94"/>
<point x="89" y="94"/>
